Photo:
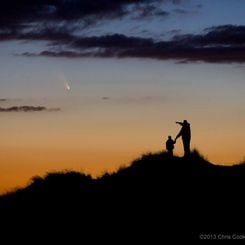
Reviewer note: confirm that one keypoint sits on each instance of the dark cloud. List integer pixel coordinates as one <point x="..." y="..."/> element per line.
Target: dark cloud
<point x="216" y="44"/>
<point x="57" y="22"/>
<point x="3" y="99"/>
<point x="27" y="109"/>
<point x="226" y="35"/>
<point x="58" y="54"/>
<point x="112" y="41"/>
<point x="44" y="33"/>
<point x="16" y="15"/>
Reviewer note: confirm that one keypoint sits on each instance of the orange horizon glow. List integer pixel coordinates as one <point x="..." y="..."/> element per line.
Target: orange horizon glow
<point x="20" y="165"/>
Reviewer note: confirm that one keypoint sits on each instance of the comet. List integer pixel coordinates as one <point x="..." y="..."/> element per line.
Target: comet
<point x="67" y="86"/>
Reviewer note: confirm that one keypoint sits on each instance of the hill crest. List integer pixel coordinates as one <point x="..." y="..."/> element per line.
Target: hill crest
<point x="154" y="188"/>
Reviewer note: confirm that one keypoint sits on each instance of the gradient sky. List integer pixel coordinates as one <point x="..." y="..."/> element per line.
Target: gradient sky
<point x="134" y="68"/>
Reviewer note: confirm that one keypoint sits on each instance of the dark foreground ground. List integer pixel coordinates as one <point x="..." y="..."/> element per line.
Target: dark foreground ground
<point x="156" y="199"/>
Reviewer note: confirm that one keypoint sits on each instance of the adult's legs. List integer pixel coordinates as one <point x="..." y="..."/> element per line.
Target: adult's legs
<point x="186" y="144"/>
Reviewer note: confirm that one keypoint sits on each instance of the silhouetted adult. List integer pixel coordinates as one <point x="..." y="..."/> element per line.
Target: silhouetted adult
<point x="170" y="145"/>
<point x="185" y="133"/>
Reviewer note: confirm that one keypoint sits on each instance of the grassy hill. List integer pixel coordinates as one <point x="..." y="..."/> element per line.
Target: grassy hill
<point x="156" y="198"/>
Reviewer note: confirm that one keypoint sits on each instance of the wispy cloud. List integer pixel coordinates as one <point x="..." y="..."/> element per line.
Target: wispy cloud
<point x="183" y="11"/>
<point x="136" y="100"/>
<point x="27" y="109"/>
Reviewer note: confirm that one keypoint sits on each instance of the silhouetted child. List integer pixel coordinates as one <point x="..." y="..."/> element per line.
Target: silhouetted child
<point x="170" y="145"/>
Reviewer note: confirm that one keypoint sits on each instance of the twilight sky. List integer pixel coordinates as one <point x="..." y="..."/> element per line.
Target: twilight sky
<point x="91" y="85"/>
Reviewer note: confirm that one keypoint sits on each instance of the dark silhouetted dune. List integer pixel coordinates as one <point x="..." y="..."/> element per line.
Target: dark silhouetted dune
<point x="156" y="199"/>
